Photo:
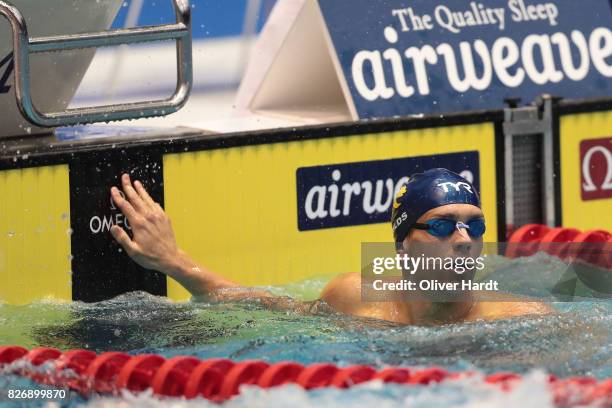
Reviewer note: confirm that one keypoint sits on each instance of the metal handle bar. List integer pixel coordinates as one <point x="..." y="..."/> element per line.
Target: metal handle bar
<point x="24" y="46"/>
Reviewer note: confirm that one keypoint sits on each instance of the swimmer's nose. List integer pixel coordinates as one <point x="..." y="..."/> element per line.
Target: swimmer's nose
<point x="462" y="249"/>
<point x="462" y="231"/>
<point x="462" y="243"/>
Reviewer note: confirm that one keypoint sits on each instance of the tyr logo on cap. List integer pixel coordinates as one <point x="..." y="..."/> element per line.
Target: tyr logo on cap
<point x="456" y="186"/>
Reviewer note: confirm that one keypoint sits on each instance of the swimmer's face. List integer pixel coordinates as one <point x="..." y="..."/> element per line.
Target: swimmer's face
<point x="459" y="244"/>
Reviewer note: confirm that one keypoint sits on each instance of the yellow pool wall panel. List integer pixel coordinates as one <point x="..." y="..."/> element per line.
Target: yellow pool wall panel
<point x="35" y="234"/>
<point x="584" y="215"/>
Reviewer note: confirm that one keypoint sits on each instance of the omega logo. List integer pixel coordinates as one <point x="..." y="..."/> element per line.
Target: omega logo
<point x="596" y="178"/>
<point x="103" y="223"/>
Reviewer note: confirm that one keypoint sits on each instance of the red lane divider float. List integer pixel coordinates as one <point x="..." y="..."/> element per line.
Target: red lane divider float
<point x="557" y="241"/>
<point x="220" y="379"/>
<point x="591" y="246"/>
<point x="525" y="240"/>
<point x="206" y="379"/>
<point x="138" y="372"/>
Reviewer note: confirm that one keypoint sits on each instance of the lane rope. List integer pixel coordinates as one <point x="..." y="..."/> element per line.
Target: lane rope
<point x="593" y="246"/>
<point x="220" y="379"/>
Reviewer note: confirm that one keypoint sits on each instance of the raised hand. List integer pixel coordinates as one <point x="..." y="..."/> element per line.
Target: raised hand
<point x="153" y="245"/>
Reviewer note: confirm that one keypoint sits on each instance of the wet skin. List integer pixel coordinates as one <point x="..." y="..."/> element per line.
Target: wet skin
<point x="154" y="246"/>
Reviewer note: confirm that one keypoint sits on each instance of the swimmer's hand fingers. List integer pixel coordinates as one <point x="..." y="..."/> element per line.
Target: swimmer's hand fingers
<point x="144" y="195"/>
<point x="135" y="199"/>
<point x="124" y="240"/>
<point x="124" y="205"/>
<point x="153" y="245"/>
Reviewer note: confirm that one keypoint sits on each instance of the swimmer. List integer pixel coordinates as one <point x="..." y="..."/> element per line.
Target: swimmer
<point x="428" y="198"/>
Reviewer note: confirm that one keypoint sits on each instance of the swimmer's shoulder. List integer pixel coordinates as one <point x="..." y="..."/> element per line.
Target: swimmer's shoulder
<point x="508" y="308"/>
<point x="343" y="294"/>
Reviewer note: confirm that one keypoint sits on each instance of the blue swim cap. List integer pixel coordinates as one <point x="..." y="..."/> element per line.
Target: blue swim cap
<point x="424" y="191"/>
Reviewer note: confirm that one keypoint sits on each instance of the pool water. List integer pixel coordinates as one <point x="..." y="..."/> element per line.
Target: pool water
<point x="574" y="342"/>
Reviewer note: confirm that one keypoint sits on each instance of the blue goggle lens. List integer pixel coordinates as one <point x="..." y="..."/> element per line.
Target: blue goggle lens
<point x="476" y="228"/>
<point x="444" y="228"/>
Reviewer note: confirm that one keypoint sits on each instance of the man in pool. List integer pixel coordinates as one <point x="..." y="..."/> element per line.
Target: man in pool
<point x="437" y="207"/>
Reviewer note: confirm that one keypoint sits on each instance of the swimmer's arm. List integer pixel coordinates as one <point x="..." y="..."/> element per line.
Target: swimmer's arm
<point x="204" y="284"/>
<point x="198" y="280"/>
<point x="154" y="246"/>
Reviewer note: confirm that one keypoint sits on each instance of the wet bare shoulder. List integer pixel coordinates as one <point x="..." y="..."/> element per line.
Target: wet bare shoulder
<point x="343" y="293"/>
<point x="491" y="310"/>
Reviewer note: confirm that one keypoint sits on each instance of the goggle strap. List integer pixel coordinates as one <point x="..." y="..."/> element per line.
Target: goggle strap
<point x="421" y="226"/>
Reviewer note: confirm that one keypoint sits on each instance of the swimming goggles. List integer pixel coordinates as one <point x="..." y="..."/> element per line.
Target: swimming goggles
<point x="442" y="228"/>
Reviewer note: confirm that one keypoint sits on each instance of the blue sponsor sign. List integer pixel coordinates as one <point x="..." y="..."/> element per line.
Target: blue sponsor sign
<point x="411" y="57"/>
<point x="341" y="195"/>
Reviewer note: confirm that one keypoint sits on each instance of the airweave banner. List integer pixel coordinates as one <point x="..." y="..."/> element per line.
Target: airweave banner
<point x="362" y="193"/>
<point x="409" y="57"/>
